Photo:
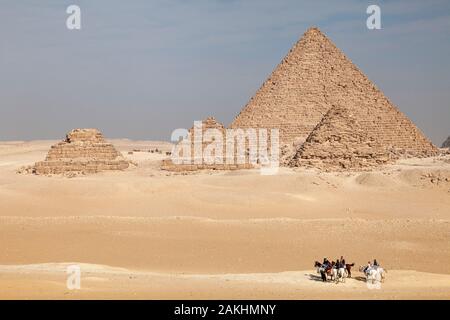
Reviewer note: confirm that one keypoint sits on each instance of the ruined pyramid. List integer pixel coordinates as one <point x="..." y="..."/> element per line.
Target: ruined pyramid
<point x="313" y="77"/>
<point x="83" y="151"/>
<point x="340" y="142"/>
<point x="446" y="143"/>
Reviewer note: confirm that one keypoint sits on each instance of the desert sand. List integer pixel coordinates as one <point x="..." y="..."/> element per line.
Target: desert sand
<point x="145" y="233"/>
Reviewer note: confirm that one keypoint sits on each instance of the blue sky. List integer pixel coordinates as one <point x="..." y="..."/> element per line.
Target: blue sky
<point x="139" y="69"/>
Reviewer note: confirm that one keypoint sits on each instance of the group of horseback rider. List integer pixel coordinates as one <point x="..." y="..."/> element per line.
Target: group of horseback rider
<point x="329" y="268"/>
<point x="340" y="268"/>
<point x="370" y="265"/>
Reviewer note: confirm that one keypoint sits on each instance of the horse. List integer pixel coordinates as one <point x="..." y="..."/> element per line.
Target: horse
<point x="321" y="270"/>
<point x="373" y="274"/>
<point x="317" y="265"/>
<point x="340" y="274"/>
<point x="382" y="272"/>
<point x="348" y="269"/>
<point x="325" y="272"/>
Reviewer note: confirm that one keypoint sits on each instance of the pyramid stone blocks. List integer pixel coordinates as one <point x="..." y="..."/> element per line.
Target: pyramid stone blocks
<point x="313" y="77"/>
<point x="340" y="142"/>
<point x="83" y="151"/>
<point x="198" y="162"/>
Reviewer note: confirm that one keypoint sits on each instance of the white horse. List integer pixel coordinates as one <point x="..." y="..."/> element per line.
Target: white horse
<point x="333" y="274"/>
<point x="340" y="274"/>
<point x="382" y="273"/>
<point x="374" y="274"/>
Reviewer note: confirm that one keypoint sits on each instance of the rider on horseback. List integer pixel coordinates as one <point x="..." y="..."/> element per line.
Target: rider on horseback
<point x="375" y="263"/>
<point x="368" y="267"/>
<point x="323" y="269"/>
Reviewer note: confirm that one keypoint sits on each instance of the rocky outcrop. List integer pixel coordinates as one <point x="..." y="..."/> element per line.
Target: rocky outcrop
<point x="83" y="151"/>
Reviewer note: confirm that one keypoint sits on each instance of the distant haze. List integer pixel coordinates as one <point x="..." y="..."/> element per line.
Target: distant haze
<point x="139" y="69"/>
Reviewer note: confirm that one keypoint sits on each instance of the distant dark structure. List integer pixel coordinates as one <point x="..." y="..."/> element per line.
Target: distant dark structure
<point x="446" y="143"/>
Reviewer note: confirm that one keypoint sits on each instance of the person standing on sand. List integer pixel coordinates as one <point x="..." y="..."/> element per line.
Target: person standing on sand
<point x="343" y="261"/>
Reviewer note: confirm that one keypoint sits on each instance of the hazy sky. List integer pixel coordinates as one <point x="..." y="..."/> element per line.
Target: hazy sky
<point x="139" y="69"/>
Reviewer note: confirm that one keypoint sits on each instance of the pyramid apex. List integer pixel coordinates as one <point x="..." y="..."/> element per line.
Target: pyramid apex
<point x="313" y="31"/>
<point x="210" y="118"/>
<point x="84" y="135"/>
<point x="314" y="35"/>
<point x="210" y="123"/>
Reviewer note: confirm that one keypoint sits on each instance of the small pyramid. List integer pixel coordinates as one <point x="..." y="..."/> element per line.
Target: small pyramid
<point x="210" y="123"/>
<point x="338" y="142"/>
<point x="207" y="124"/>
<point x="446" y="143"/>
<point x="314" y="76"/>
<point x="221" y="164"/>
<point x="83" y="151"/>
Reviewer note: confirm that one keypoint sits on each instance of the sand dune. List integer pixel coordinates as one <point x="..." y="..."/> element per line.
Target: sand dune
<point x="147" y="233"/>
<point x="47" y="281"/>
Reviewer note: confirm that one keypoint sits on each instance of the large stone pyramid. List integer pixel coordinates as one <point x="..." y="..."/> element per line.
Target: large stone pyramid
<point x="83" y="151"/>
<point x="340" y="142"/>
<point x="314" y="76"/>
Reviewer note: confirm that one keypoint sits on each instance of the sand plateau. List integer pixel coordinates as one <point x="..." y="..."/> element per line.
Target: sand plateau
<point x="153" y="234"/>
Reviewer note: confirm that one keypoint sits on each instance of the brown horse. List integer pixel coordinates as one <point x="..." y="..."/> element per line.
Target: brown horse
<point x="327" y="272"/>
<point x="324" y="273"/>
<point x="348" y="267"/>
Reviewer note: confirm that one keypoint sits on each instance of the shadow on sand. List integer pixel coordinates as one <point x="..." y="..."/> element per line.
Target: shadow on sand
<point x="314" y="277"/>
<point x="359" y="278"/>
